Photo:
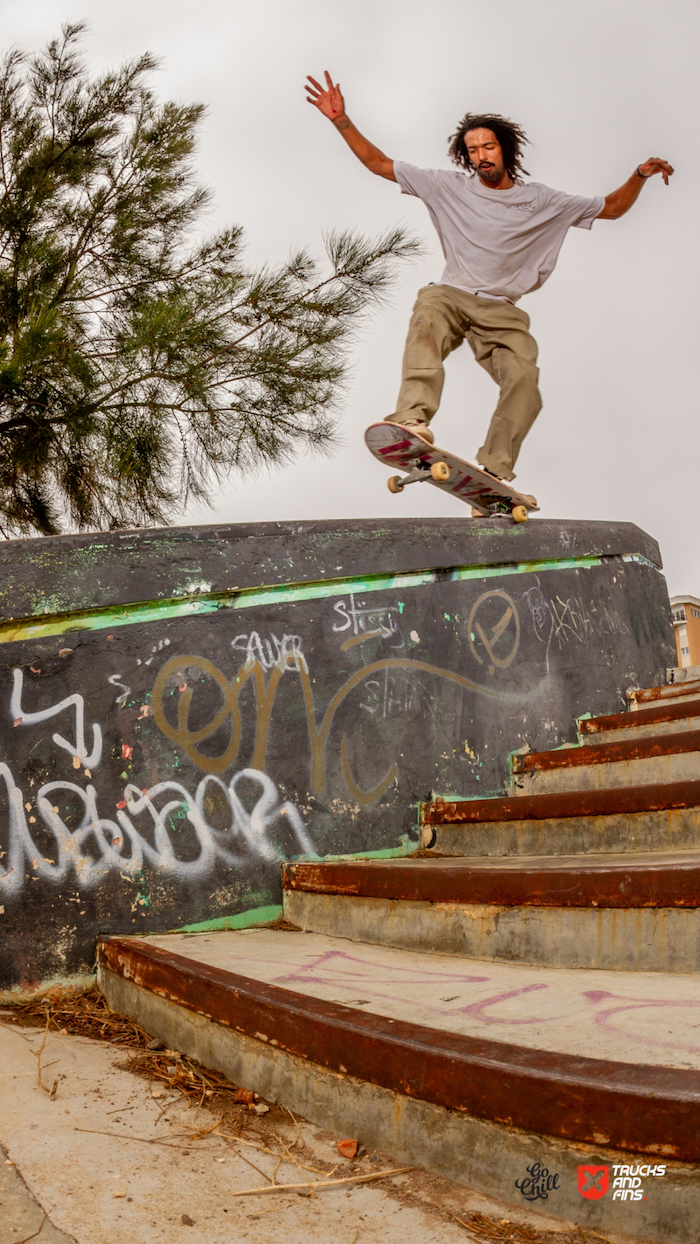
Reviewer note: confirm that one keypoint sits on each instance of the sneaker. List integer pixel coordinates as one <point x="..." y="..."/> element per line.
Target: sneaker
<point x="418" y="429"/>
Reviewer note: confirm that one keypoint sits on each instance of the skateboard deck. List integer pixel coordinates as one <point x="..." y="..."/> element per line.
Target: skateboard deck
<point x="396" y="446"/>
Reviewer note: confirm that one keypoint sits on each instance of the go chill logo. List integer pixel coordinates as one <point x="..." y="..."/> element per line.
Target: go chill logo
<point x="594" y="1181"/>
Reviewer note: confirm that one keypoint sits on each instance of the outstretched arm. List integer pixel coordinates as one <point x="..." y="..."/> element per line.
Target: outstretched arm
<point x="331" y="103"/>
<point x="620" y="201"/>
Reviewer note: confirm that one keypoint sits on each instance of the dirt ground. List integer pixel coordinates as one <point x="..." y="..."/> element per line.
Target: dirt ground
<point x="108" y="1141"/>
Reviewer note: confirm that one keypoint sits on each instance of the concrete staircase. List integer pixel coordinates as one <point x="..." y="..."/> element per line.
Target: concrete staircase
<point x="523" y="990"/>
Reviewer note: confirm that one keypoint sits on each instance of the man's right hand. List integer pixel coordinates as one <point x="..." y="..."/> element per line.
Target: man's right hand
<point x="330" y="102"/>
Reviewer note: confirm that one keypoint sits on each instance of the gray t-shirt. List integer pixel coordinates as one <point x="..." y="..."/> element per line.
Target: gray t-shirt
<point x="497" y="243"/>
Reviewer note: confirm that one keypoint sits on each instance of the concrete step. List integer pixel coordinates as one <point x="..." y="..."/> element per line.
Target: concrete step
<point x="625" y="912"/>
<point x="665" y="817"/>
<point x="631" y="762"/>
<point x="416" y="1055"/>
<point x="670" y="879"/>
<point x="646" y="723"/>
<point x="640" y="697"/>
<point x="683" y="673"/>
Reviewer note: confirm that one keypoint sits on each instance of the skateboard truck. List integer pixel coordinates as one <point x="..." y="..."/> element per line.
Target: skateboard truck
<point x="417" y="475"/>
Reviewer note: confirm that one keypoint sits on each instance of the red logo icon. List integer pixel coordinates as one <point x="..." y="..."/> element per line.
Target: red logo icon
<point x="593" y="1181"/>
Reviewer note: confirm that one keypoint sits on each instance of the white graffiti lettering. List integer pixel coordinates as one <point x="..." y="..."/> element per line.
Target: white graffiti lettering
<point x="378" y="620"/>
<point x="100" y="846"/>
<point x="22" y="718"/>
<point x="115" y="680"/>
<point x="398" y="693"/>
<point x="285" y="652"/>
<point x="542" y="618"/>
<point x="574" y="620"/>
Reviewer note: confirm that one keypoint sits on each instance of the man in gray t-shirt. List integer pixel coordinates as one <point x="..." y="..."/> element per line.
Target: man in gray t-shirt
<point x="500" y="237"/>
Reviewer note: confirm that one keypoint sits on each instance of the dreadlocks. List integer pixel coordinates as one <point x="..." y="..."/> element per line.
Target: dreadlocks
<point x="511" y="137"/>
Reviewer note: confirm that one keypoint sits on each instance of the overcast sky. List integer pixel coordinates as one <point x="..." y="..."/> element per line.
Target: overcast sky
<point x="599" y="86"/>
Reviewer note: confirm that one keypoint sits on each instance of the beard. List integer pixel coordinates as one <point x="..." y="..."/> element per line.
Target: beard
<point x="490" y="172"/>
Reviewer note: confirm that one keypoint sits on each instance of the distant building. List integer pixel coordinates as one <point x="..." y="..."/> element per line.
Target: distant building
<point x="686" y="623"/>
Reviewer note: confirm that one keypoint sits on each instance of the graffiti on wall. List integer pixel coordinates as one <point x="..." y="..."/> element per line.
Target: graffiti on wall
<point x="141" y="832"/>
<point x="77" y="750"/>
<point x="181" y="674"/>
<point x="60" y="833"/>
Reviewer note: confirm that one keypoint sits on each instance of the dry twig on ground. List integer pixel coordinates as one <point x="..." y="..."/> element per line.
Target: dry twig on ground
<point x="322" y="1183"/>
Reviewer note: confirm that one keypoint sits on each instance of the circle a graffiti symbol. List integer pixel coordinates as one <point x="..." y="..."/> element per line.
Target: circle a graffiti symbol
<point x="501" y="639"/>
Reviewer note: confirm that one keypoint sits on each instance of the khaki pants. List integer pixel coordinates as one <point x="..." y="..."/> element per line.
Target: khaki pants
<point x="498" y="333"/>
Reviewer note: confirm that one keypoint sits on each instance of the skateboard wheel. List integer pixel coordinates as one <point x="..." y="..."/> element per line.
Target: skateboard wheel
<point x="440" y="471"/>
<point x="395" y="483"/>
<point x="520" y="514"/>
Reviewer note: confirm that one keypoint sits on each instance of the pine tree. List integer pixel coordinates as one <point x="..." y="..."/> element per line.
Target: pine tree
<point x="140" y="366"/>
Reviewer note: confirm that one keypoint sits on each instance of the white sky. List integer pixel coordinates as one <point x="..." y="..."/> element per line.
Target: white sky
<point x="599" y="86"/>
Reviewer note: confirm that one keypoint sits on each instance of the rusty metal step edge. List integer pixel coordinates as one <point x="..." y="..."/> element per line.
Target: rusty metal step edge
<point x="637" y="1107"/>
<point x="660" y="712"/>
<point x="666" y="691"/>
<point x="656" y="797"/>
<point x="608" y="753"/>
<point x="505" y="883"/>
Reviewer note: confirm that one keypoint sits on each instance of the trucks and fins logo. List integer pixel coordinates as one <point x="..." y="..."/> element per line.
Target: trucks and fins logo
<point x="593" y="1181"/>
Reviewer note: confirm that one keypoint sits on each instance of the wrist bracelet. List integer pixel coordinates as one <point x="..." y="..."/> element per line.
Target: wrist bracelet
<point x="644" y="176"/>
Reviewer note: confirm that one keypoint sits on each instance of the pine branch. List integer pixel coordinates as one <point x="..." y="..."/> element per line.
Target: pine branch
<point x="137" y="368"/>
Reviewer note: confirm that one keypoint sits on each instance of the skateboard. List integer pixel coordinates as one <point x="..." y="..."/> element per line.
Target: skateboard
<point x="398" y="447"/>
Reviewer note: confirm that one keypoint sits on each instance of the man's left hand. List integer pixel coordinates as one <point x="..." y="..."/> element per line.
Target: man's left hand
<point x="655" y="165"/>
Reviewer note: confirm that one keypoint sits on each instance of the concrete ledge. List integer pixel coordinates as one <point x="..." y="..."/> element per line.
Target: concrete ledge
<point x="683" y="673"/>
<point x="71" y="572"/>
<point x="482" y="1155"/>
<point x="675" y="830"/>
<point x="607" y="753"/>
<point x="671" y="692"/>
<point x="585" y="803"/>
<point x="642" y="940"/>
<point x="652" y="730"/>
<point x="676" y="764"/>
<point x="656" y="715"/>
<point x="637" y="1107"/>
<point x="619" y="881"/>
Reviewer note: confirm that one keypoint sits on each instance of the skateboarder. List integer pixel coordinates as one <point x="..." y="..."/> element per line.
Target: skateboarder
<point x="501" y="237"/>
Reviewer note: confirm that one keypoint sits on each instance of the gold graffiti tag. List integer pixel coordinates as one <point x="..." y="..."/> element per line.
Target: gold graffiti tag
<point x="265" y="692"/>
<point x="489" y="640"/>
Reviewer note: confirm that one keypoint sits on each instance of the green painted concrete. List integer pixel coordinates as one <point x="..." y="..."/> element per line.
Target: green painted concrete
<point x="204" y="603"/>
<point x="266" y="915"/>
<point x="407" y="847"/>
<point x="243" y="920"/>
